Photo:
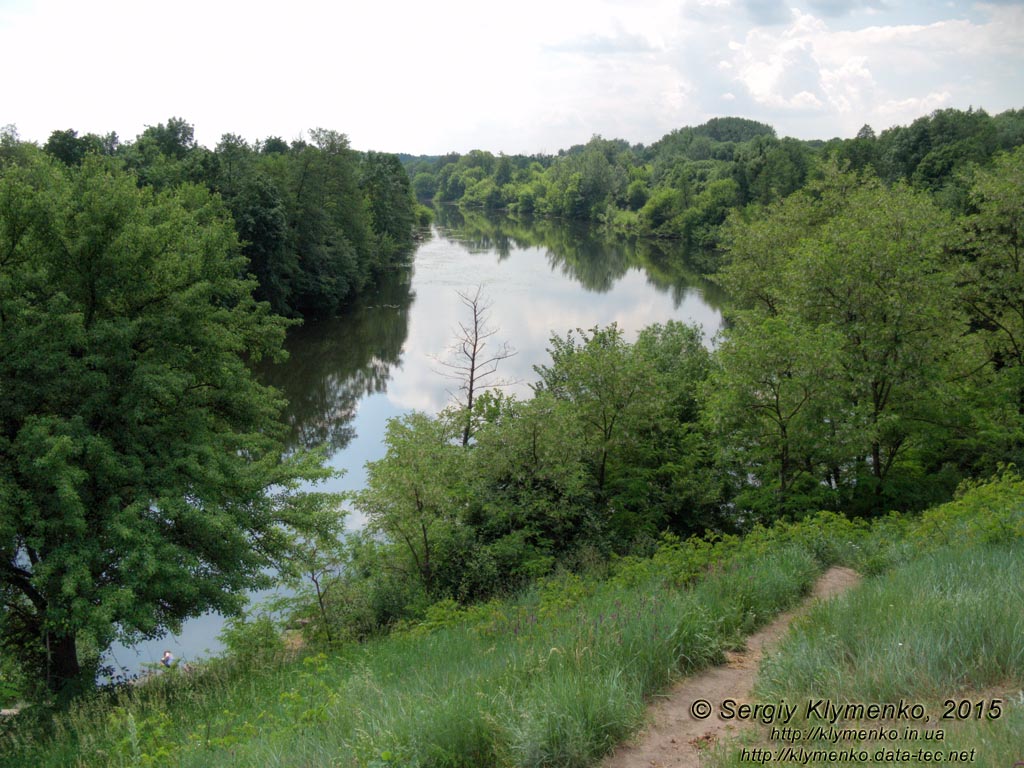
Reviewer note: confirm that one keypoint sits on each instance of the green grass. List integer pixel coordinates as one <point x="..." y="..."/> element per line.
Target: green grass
<point x="948" y="626"/>
<point x="952" y="620"/>
<point x="556" y="678"/>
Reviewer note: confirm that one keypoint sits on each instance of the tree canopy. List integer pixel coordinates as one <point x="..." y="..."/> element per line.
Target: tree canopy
<point x="317" y="221"/>
<point x="142" y="478"/>
<point x="684" y="185"/>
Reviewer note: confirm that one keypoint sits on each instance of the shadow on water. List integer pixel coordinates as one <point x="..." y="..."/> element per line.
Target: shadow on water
<point x="583" y="252"/>
<point x="333" y="364"/>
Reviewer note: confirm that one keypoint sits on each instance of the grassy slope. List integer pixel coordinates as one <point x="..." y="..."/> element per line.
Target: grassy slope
<point x="555" y="678"/>
<point x="558" y="676"/>
<point x="943" y="628"/>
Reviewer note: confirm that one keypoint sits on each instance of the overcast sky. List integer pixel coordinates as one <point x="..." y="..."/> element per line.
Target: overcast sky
<point x="525" y="76"/>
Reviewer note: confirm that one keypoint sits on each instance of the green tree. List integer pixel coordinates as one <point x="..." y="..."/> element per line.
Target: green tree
<point x="389" y="197"/>
<point x="533" y="498"/>
<point x="993" y="276"/>
<point x="262" y="223"/>
<point x="141" y="476"/>
<point x="991" y="281"/>
<point x="175" y="139"/>
<point x="329" y="224"/>
<point x="866" y="265"/>
<point x="666" y="478"/>
<point x="598" y="375"/>
<point x="413" y="496"/>
<point x="71" y="149"/>
<point x="768" y="406"/>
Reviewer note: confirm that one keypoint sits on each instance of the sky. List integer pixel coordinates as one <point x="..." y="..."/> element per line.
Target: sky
<point x="531" y="76"/>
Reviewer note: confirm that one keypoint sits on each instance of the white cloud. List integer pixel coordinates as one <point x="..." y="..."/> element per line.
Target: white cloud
<point x="878" y="73"/>
<point x="457" y="74"/>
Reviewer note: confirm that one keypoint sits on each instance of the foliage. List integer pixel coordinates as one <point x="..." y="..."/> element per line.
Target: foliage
<point x="873" y="362"/>
<point x="560" y="673"/>
<point x="317" y="221"/>
<point x="140" y="469"/>
<point x="557" y="676"/>
<point x="253" y="640"/>
<point x="851" y="328"/>
<point x="992" y="280"/>
<point x="413" y="494"/>
<point x="685" y="184"/>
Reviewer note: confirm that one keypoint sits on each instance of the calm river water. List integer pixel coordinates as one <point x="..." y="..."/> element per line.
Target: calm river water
<point x="346" y="377"/>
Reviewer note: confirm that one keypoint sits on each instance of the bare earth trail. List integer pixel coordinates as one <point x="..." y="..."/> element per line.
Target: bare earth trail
<point x="673" y="737"/>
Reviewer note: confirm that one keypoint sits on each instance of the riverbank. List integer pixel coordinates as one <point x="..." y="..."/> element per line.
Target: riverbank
<point x="556" y="677"/>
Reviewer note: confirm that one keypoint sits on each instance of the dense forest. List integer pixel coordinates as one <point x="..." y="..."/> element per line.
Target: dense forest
<point x="317" y="220"/>
<point x="140" y="282"/>
<point x="871" y="362"/>
<point x="685" y="184"/>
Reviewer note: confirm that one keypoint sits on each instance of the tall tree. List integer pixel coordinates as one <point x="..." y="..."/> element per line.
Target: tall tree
<point x="142" y="480"/>
<point x="993" y="276"/>
<point x="389" y="197"/>
<point x="413" y="495"/>
<point x="868" y="267"/>
<point x="606" y="386"/>
<point x="768" y="405"/>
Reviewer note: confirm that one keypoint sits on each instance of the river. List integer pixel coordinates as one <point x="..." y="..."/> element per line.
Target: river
<point x="346" y="377"/>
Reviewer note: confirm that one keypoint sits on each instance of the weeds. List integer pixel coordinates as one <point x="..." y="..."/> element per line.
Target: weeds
<point x="558" y="675"/>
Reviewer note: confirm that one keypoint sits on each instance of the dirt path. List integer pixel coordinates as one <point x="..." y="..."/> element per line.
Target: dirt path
<point x="674" y="738"/>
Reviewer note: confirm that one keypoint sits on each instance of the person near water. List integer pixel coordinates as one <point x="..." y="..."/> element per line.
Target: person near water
<point x="167" y="659"/>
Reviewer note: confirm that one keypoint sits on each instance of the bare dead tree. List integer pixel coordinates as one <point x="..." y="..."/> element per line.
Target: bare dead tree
<point x="470" y="362"/>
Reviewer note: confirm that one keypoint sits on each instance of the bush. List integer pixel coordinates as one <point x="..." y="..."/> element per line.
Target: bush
<point x="253" y="641"/>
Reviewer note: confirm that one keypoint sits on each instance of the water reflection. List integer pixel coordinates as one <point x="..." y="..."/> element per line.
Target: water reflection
<point x="333" y="364"/>
<point x="582" y="252"/>
<point x="346" y="377"/>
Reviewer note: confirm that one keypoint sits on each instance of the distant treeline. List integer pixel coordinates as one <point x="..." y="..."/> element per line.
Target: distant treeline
<point x="684" y="185"/>
<point x="872" y="361"/>
<point x="317" y="219"/>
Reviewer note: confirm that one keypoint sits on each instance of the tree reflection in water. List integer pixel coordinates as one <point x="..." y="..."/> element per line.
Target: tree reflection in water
<point x="595" y="259"/>
<point x="333" y="364"/>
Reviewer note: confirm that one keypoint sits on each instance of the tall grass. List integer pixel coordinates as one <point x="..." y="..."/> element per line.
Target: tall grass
<point x="555" y="678"/>
<point x="950" y="621"/>
<point x="946" y="626"/>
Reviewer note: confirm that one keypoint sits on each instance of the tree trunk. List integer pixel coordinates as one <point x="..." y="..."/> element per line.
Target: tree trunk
<point x="64" y="672"/>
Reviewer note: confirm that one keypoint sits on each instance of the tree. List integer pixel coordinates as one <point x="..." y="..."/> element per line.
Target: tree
<point x="262" y="224"/>
<point x="866" y="132"/>
<point x="768" y="403"/>
<point x="473" y="363"/>
<point x="992" y="291"/>
<point x="412" y="496"/>
<point x="866" y="264"/>
<point x="328" y="221"/>
<point x="607" y="387"/>
<point x="532" y="499"/>
<point x="142" y="480"/>
<point x="66" y="146"/>
<point x="175" y="139"/>
<point x="389" y="197"/>
<point x="993" y="278"/>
